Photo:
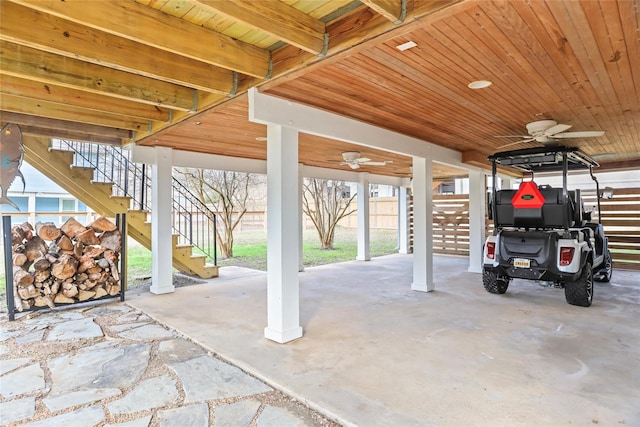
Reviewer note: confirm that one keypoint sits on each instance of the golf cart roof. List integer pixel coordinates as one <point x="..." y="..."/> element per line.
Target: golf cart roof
<point x="543" y="159"/>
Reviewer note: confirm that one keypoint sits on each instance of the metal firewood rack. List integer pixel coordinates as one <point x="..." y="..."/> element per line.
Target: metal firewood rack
<point x="121" y="225"/>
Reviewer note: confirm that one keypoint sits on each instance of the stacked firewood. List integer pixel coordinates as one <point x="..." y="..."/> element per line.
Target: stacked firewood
<point x="64" y="265"/>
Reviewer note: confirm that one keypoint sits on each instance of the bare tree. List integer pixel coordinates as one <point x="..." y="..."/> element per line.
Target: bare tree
<point x="228" y="192"/>
<point x="326" y="203"/>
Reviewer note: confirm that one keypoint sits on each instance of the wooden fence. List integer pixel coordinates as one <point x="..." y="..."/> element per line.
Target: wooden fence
<point x="621" y="221"/>
<point x="451" y="224"/>
<point x="620" y="218"/>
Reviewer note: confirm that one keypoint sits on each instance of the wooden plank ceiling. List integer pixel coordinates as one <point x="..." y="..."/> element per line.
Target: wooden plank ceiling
<point x="175" y="72"/>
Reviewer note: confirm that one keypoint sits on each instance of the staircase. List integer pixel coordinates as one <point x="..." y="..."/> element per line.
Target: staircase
<point x="58" y="165"/>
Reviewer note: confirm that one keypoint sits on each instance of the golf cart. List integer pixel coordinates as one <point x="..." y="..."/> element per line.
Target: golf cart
<point x="543" y="233"/>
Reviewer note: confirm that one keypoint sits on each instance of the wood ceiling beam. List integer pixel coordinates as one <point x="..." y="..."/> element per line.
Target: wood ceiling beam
<point x="275" y="18"/>
<point x="205" y="102"/>
<point x="64" y="112"/>
<point x="152" y="27"/>
<point x="390" y="9"/>
<point x="49" y="33"/>
<point x="76" y="98"/>
<point x="628" y="164"/>
<point x="75" y="136"/>
<point x="357" y="31"/>
<point x="48" y="68"/>
<point x="54" y="128"/>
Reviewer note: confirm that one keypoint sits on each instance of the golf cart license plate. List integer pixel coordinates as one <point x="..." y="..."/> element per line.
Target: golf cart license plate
<point x="522" y="263"/>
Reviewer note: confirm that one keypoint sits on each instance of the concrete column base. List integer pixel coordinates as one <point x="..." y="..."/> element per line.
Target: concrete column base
<point x="162" y="289"/>
<point x="283" y="336"/>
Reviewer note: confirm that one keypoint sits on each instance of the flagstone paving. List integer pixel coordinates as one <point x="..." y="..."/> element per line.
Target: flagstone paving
<point x="111" y="365"/>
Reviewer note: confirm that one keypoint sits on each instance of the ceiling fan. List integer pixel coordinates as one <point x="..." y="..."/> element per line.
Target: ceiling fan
<point x="353" y="160"/>
<point x="548" y="132"/>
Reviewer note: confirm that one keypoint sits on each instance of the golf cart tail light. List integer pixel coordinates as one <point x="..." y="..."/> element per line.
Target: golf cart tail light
<point x="566" y="255"/>
<point x="491" y="250"/>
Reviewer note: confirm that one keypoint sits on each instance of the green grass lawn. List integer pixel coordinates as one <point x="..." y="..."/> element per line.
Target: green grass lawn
<point x="250" y="250"/>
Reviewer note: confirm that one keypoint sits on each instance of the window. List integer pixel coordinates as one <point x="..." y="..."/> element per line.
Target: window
<point x="21" y="202"/>
<point x="67" y="205"/>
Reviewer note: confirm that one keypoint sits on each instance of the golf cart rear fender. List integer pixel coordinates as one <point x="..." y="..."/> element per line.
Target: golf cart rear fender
<point x="580" y="255"/>
<point x="486" y="260"/>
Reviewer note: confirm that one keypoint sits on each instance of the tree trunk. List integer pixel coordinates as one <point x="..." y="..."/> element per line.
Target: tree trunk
<point x="326" y="241"/>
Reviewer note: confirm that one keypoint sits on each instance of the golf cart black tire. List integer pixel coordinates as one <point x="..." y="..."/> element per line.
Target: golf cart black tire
<point x="493" y="284"/>
<point x="605" y="273"/>
<point x="580" y="291"/>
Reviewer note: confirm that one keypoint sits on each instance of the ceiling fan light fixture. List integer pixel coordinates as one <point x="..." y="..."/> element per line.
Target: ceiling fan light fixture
<point x="480" y="84"/>
<point x="406" y="46"/>
<point x="261" y="138"/>
<point x="350" y="156"/>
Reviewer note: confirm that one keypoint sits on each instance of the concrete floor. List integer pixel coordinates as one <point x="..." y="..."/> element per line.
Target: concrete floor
<point x="375" y="353"/>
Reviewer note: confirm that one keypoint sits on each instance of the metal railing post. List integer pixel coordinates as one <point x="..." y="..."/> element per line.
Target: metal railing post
<point x="8" y="266"/>
<point x="112" y="165"/>
<point x="143" y="187"/>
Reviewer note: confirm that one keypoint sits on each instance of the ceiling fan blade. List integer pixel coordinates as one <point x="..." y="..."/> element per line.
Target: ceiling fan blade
<point x="517" y="142"/>
<point x="580" y="134"/>
<point x="354" y="165"/>
<point x="362" y="160"/>
<point x="553" y="130"/>
<point x="374" y="163"/>
<point x="512" y="136"/>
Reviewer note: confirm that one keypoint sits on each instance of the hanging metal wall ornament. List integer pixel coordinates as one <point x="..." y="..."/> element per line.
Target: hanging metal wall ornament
<point x="11" y="154"/>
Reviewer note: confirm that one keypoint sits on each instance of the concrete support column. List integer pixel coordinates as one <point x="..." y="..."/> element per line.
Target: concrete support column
<point x="477" y="202"/>
<point x="300" y="218"/>
<point x="403" y="220"/>
<point x="505" y="183"/>
<point x="31" y="208"/>
<point x="363" y="218"/>
<point x="283" y="229"/>
<point x="422" y="225"/>
<point x="161" y="217"/>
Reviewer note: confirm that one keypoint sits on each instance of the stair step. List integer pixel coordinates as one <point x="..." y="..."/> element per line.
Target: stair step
<point x="197" y="257"/>
<point x="122" y="201"/>
<point x="103" y="187"/>
<point x="84" y="172"/>
<point x="65" y="154"/>
<point x="139" y="217"/>
<point x="209" y="271"/>
<point x="185" y="250"/>
<point x="78" y="180"/>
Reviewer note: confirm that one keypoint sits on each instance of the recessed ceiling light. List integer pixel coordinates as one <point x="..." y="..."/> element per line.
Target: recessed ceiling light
<point x="198" y="123"/>
<point x="407" y="45"/>
<point x="480" y="84"/>
<point x="261" y="138"/>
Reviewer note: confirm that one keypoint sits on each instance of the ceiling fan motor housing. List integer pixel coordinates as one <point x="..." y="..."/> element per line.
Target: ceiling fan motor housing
<point x="538" y="127"/>
<point x="350" y="156"/>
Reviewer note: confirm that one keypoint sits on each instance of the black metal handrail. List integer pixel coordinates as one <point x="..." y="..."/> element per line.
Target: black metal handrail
<point x="193" y="221"/>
